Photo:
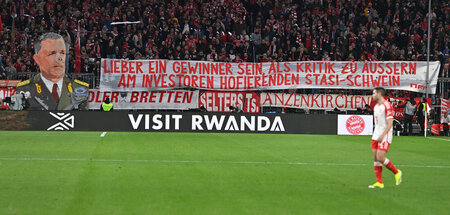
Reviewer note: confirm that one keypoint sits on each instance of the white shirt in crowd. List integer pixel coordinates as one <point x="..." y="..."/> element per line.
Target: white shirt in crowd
<point x="445" y="119"/>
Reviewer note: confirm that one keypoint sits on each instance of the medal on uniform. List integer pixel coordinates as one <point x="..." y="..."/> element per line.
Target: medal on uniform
<point x="69" y="87"/>
<point x="38" y="88"/>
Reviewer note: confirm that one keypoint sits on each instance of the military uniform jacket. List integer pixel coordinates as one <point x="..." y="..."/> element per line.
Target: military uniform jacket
<point x="74" y="94"/>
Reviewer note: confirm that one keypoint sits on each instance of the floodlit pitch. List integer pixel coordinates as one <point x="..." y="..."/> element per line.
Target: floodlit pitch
<point x="189" y="173"/>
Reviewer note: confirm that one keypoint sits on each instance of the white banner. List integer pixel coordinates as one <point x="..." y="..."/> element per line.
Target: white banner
<point x="445" y="107"/>
<point x="220" y="101"/>
<point x="175" y="99"/>
<point x="315" y="101"/>
<point x="144" y="75"/>
<point x="4" y="92"/>
<point x="355" y="124"/>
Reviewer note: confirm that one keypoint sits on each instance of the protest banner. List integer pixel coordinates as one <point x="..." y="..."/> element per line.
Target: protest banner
<point x="144" y="75"/>
<point x="220" y="101"/>
<point x="4" y="92"/>
<point x="315" y="101"/>
<point x="174" y="99"/>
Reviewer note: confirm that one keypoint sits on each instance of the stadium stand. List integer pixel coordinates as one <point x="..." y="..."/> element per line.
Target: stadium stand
<point x="228" y="30"/>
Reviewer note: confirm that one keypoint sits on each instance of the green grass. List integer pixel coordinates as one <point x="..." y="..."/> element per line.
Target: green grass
<point x="188" y="173"/>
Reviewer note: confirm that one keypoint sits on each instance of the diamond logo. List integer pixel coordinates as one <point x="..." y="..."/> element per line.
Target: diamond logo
<point x="66" y="122"/>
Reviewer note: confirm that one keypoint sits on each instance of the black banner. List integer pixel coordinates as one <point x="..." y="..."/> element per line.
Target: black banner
<point x="168" y="122"/>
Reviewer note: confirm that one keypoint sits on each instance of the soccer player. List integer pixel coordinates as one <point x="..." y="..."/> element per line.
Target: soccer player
<point x="382" y="137"/>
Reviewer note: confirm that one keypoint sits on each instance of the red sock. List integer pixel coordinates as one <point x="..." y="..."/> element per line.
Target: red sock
<point x="378" y="168"/>
<point x="388" y="164"/>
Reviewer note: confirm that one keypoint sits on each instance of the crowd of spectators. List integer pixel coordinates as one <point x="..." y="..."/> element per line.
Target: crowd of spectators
<point x="226" y="30"/>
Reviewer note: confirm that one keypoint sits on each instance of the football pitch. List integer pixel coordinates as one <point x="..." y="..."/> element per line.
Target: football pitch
<point x="212" y="173"/>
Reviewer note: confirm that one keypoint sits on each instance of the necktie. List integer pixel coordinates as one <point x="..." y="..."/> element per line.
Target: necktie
<point x="55" y="93"/>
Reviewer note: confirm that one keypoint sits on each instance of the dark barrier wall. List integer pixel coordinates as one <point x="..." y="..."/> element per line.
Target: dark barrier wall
<point x="168" y="121"/>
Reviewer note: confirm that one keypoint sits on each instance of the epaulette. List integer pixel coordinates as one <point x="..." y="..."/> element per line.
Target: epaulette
<point x="23" y="83"/>
<point x="81" y="83"/>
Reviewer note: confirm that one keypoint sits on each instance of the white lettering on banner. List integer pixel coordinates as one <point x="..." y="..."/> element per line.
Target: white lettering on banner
<point x="175" y="99"/>
<point x="250" y="124"/>
<point x="231" y="124"/>
<point x="220" y="101"/>
<point x="196" y="122"/>
<point x="262" y="123"/>
<point x="135" y="122"/>
<point x="210" y="124"/>
<point x="156" y="120"/>
<point x="315" y="101"/>
<point x="144" y="75"/>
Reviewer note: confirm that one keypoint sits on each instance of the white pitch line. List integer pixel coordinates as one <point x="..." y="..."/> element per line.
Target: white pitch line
<point x="213" y="162"/>
<point x="103" y="134"/>
<point x="439" y="138"/>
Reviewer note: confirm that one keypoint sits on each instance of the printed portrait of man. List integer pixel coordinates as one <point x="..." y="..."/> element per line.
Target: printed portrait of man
<point x="52" y="89"/>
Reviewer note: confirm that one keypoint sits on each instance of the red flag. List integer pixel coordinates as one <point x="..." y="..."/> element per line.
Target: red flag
<point x="78" y="52"/>
<point x="13" y="38"/>
<point x="13" y="29"/>
<point x="1" y="26"/>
